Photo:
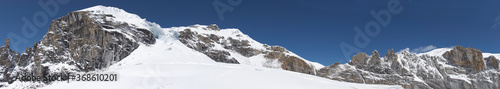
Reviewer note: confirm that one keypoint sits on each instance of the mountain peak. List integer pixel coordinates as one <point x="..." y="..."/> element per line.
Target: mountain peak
<point x="118" y="15"/>
<point x="103" y="8"/>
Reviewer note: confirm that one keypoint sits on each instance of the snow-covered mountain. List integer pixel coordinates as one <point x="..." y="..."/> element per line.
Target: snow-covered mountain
<point x="169" y="64"/>
<point x="109" y="40"/>
<point x="104" y="40"/>
<point x="443" y="68"/>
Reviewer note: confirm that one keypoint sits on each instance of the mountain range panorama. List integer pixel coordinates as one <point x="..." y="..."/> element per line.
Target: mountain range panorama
<point x="98" y="37"/>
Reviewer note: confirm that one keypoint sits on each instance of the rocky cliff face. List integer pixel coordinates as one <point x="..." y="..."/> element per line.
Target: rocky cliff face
<point x="457" y="68"/>
<point x="469" y="58"/>
<point x="81" y="41"/>
<point x="203" y="44"/>
<point x="8" y="59"/>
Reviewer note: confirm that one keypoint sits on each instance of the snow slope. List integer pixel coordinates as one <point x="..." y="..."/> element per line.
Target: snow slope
<point x="169" y="64"/>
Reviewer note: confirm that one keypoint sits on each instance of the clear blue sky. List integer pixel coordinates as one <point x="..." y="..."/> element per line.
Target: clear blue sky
<point x="312" y="29"/>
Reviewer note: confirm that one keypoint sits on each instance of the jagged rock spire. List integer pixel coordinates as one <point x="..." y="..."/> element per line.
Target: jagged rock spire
<point x="375" y="59"/>
<point x="7" y="42"/>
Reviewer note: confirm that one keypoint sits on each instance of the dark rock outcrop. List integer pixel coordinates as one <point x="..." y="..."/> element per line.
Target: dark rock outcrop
<point x="291" y="63"/>
<point x="213" y="27"/>
<point x="204" y="44"/>
<point x="492" y="62"/>
<point x="220" y="56"/>
<point x="391" y="56"/>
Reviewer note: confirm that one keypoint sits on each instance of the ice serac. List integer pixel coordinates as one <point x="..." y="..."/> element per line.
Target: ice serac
<point x="444" y="68"/>
<point x="81" y="41"/>
<point x="232" y="46"/>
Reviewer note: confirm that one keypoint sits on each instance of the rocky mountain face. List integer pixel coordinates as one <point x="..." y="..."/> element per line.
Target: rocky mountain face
<point x="224" y="48"/>
<point x="97" y="37"/>
<point x="81" y="41"/>
<point x="202" y="44"/>
<point x="458" y="68"/>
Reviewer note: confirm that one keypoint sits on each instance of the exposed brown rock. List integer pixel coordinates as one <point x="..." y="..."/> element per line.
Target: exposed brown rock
<point x="344" y="73"/>
<point x="221" y="56"/>
<point x="238" y="43"/>
<point x="204" y="45"/>
<point x="359" y="60"/>
<point x="278" y="48"/>
<point x="391" y="56"/>
<point x="466" y="57"/>
<point x="187" y="34"/>
<point x="7" y="43"/>
<point x="492" y="62"/>
<point x="274" y="55"/>
<point x="213" y="27"/>
<point x="375" y="59"/>
<point x="215" y="38"/>
<point x="322" y="72"/>
<point x="204" y="39"/>
<point x="293" y="63"/>
<point x="242" y="47"/>
<point x="247" y="52"/>
<point x="335" y="65"/>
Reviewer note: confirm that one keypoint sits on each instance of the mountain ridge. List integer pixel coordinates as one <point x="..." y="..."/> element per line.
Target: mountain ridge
<point x="456" y="68"/>
<point x="102" y="38"/>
